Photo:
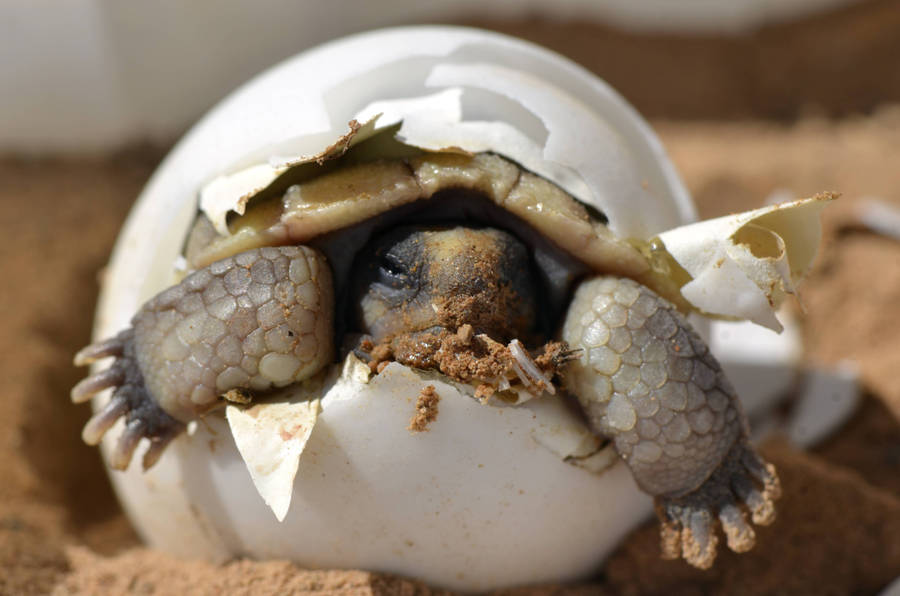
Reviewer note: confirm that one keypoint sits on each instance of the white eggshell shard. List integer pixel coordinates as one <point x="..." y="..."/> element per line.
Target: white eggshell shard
<point x="742" y="265"/>
<point x="271" y="438"/>
<point x="879" y="216"/>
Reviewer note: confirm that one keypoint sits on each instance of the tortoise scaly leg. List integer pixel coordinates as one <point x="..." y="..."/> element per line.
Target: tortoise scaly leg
<point x="648" y="382"/>
<point x="243" y="325"/>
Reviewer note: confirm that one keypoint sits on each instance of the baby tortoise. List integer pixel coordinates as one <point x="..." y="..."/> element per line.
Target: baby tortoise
<point x="430" y="260"/>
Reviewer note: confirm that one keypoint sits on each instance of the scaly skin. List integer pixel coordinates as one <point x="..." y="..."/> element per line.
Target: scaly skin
<point x="249" y="323"/>
<point x="648" y="382"/>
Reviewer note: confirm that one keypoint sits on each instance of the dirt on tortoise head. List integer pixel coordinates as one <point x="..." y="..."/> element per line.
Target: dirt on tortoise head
<point x="476" y="280"/>
<point x="492" y="367"/>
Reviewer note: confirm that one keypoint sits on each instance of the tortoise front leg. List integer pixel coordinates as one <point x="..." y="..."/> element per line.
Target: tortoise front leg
<point x="648" y="382"/>
<point x="246" y="324"/>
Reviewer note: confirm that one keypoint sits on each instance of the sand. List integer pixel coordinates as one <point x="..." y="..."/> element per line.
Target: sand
<point x="838" y="63"/>
<point x="62" y="531"/>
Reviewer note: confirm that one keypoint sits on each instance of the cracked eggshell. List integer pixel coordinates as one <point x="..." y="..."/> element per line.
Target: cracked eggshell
<point x="743" y="265"/>
<point x="481" y="500"/>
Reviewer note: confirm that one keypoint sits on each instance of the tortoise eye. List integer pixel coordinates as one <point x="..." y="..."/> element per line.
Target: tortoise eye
<point x="391" y="265"/>
<point x="393" y="272"/>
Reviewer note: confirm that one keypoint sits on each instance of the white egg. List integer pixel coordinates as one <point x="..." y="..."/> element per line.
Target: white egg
<point x="483" y="499"/>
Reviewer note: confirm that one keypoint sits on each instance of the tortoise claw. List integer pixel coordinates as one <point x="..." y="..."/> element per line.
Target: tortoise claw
<point x="101" y="422"/>
<point x="87" y="388"/>
<point x="130" y="399"/>
<point x="742" y="484"/>
<point x="114" y="346"/>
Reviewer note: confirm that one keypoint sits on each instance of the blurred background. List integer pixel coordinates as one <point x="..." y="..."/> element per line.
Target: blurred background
<point x="753" y="99"/>
<point x="97" y="74"/>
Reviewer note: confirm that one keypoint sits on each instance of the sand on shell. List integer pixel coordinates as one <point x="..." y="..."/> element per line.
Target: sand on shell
<point x="62" y="531"/>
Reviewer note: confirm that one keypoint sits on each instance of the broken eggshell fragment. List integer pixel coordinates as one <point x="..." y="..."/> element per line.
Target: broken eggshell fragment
<point x="460" y="505"/>
<point x="742" y="265"/>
